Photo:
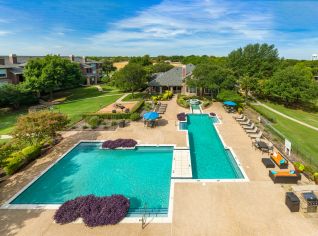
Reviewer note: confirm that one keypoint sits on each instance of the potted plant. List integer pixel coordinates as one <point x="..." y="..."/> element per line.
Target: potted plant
<point x="299" y="167"/>
<point x="316" y="177"/>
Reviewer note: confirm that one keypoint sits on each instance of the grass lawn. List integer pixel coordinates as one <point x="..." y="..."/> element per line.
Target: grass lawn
<point x="302" y="138"/>
<point x="304" y="116"/>
<point x="75" y="108"/>
<point x="8" y="120"/>
<point x="136" y="97"/>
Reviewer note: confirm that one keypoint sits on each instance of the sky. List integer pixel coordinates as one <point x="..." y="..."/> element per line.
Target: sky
<point x="168" y="27"/>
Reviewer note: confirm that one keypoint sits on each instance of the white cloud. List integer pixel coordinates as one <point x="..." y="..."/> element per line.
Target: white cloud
<point x="5" y="33"/>
<point x="186" y="23"/>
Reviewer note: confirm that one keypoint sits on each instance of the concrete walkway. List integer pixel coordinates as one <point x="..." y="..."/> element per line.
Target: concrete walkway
<point x="258" y="103"/>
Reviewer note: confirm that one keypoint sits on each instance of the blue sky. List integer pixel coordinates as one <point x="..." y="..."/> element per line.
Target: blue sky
<point x="170" y="27"/>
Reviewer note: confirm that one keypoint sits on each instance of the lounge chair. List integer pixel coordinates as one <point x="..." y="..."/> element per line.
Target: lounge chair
<point x="241" y="119"/>
<point x="284" y="177"/>
<point x="257" y="135"/>
<point x="252" y="131"/>
<point x="245" y="122"/>
<point x="248" y="127"/>
<point x="279" y="160"/>
<point x="238" y="117"/>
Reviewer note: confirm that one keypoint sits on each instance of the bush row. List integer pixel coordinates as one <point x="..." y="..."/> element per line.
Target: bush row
<point x="114" y="116"/>
<point x="20" y="158"/>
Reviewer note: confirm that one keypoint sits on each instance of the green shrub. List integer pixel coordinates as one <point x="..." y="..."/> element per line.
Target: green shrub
<point x="230" y="95"/>
<point x="299" y="166"/>
<point x="206" y="104"/>
<point x="94" y="121"/>
<point x="31" y="152"/>
<point x="137" y="106"/>
<point x="181" y="101"/>
<point x="167" y="95"/>
<point x="134" y="116"/>
<point x="19" y="159"/>
<point x="14" y="163"/>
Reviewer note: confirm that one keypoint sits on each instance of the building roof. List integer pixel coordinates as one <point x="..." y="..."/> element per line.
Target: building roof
<point x="172" y="77"/>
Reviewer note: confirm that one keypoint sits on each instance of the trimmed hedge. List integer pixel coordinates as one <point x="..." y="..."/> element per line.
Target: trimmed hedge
<point x="117" y="116"/>
<point x="19" y="159"/>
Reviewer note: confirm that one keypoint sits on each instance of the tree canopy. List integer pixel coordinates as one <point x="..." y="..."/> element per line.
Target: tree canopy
<point x="254" y="60"/>
<point x="51" y="73"/>
<point x="107" y="67"/>
<point x="213" y="77"/>
<point x="130" y="78"/>
<point x="293" y="84"/>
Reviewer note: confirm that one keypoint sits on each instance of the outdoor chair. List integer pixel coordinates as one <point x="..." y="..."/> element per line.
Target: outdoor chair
<point x="238" y="117"/>
<point x="241" y="119"/>
<point x="284" y="177"/>
<point x="252" y="131"/>
<point x="246" y="127"/>
<point x="245" y="122"/>
<point x="279" y="160"/>
<point x="257" y="135"/>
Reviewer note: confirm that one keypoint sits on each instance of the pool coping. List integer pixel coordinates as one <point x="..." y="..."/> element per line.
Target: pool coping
<point x="166" y="219"/>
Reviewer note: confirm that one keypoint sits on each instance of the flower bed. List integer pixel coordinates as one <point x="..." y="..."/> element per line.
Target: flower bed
<point x="119" y="143"/>
<point x="181" y="116"/>
<point x="95" y="211"/>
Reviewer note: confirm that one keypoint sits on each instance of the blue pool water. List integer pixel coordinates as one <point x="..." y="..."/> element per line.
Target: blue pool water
<point x="142" y="174"/>
<point x="210" y="160"/>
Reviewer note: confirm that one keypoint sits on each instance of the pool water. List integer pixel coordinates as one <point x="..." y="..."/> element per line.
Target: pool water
<point x="141" y="174"/>
<point x="209" y="158"/>
<point x="195" y="108"/>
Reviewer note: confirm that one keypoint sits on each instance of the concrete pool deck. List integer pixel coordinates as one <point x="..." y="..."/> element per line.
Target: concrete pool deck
<point x="248" y="208"/>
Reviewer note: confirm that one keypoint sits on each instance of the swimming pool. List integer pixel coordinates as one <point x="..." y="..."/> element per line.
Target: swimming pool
<point x="141" y="174"/>
<point x="209" y="158"/>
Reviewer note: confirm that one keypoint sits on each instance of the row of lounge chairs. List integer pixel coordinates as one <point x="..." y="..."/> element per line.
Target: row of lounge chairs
<point x="249" y="127"/>
<point x="161" y="108"/>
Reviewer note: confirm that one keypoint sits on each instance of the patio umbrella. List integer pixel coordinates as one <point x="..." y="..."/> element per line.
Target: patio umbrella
<point x="230" y="103"/>
<point x="151" y="115"/>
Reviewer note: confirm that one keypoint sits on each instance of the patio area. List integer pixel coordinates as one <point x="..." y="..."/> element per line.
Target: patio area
<point x="248" y="208"/>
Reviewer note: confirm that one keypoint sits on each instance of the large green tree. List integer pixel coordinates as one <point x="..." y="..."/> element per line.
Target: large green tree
<point x="131" y="78"/>
<point x="294" y="84"/>
<point x="16" y="95"/>
<point x="213" y="77"/>
<point x="248" y="84"/>
<point x="107" y="67"/>
<point x="254" y="60"/>
<point x="51" y="73"/>
<point x="144" y="60"/>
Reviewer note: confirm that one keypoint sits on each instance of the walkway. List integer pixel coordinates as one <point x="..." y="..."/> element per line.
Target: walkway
<point x="258" y="103"/>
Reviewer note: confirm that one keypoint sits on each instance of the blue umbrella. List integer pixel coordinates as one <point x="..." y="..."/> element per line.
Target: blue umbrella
<point x="151" y="115"/>
<point x="230" y="103"/>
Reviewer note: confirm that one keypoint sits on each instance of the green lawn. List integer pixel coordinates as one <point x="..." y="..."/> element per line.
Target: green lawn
<point x="8" y="120"/>
<point x="75" y="102"/>
<point x="303" y="138"/>
<point x="304" y="116"/>
<point x="74" y="109"/>
<point x="136" y="97"/>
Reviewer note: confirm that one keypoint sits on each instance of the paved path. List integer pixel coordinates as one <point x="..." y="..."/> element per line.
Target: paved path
<point x="286" y="116"/>
<point x="119" y="100"/>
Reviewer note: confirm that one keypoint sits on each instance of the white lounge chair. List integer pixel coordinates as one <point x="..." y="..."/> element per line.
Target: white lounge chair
<point x="241" y="119"/>
<point x="257" y="135"/>
<point x="248" y="127"/>
<point x="252" y="131"/>
<point x="238" y="117"/>
<point x="245" y="122"/>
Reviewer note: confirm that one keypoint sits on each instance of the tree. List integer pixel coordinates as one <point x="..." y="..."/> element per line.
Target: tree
<point x="161" y="67"/>
<point x="144" y="60"/>
<point x="254" y="60"/>
<point x="38" y="126"/>
<point x="213" y="77"/>
<point x="107" y="67"/>
<point x="50" y="73"/>
<point x="294" y="84"/>
<point x="131" y="78"/>
<point x="16" y="95"/>
<point x="248" y="84"/>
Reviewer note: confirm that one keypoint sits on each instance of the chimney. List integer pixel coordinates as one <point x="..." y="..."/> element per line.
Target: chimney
<point x="72" y="58"/>
<point x="84" y="59"/>
<point x="2" y="61"/>
<point x="13" y="59"/>
<point x="184" y="71"/>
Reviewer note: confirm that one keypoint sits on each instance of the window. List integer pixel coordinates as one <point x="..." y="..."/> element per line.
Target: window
<point x="3" y="73"/>
<point x="193" y="90"/>
<point x="207" y="91"/>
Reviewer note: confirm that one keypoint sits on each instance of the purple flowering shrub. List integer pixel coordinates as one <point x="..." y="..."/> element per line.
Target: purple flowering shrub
<point x="181" y="116"/>
<point x="125" y="143"/>
<point x="212" y="114"/>
<point x="95" y="211"/>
